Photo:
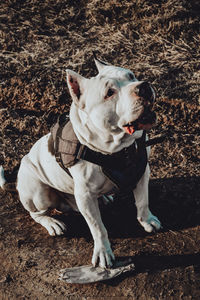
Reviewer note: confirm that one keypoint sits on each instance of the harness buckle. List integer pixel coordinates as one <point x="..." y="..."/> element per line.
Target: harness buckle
<point x="80" y="152"/>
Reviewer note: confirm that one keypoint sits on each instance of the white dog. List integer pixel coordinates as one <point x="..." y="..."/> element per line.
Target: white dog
<point x="106" y="115"/>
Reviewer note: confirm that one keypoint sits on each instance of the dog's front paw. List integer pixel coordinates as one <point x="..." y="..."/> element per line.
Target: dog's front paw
<point x="102" y="254"/>
<point x="152" y="223"/>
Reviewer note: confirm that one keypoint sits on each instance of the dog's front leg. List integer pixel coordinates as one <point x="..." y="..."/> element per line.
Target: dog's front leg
<point x="88" y="206"/>
<point x="141" y="194"/>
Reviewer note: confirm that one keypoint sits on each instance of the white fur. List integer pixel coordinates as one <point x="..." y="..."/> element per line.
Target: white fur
<point x="2" y="179"/>
<point x="98" y="123"/>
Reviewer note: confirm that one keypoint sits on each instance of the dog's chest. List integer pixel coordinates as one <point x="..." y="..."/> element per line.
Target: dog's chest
<point x="123" y="168"/>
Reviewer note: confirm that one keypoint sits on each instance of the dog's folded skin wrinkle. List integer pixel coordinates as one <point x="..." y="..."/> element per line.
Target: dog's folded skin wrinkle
<point x="98" y="124"/>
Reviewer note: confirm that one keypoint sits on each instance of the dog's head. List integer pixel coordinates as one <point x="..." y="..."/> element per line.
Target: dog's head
<point x="113" y="102"/>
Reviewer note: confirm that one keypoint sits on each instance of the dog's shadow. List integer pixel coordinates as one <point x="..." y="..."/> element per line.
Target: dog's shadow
<point x="148" y="263"/>
<point x="174" y="201"/>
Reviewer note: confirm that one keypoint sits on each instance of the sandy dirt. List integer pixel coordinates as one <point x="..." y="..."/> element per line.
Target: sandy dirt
<point x="159" y="43"/>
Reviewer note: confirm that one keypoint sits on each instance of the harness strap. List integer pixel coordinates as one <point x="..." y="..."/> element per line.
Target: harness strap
<point x="85" y="153"/>
<point x="125" y="168"/>
<point x="62" y="121"/>
<point x="133" y="165"/>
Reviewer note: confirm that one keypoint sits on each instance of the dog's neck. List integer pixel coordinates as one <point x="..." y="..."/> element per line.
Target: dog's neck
<point x="102" y="141"/>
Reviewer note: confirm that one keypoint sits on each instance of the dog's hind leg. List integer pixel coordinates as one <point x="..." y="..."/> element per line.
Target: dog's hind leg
<point x="38" y="198"/>
<point x="52" y="225"/>
<point x="39" y="210"/>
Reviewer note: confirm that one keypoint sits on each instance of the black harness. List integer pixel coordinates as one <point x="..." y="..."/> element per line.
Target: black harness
<point x="124" y="168"/>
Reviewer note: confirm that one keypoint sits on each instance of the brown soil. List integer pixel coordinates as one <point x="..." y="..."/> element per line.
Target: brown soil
<point x="160" y="43"/>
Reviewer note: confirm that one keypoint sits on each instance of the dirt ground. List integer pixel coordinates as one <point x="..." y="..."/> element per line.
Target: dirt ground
<point x="159" y="42"/>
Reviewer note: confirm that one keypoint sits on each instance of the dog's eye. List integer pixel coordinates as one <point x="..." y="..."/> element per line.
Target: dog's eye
<point x="110" y="93"/>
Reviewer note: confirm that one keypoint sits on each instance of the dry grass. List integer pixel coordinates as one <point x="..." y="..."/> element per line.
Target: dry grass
<point x="158" y="40"/>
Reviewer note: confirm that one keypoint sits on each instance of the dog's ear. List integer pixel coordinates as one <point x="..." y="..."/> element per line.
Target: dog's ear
<point x="99" y="63"/>
<point x="75" y="85"/>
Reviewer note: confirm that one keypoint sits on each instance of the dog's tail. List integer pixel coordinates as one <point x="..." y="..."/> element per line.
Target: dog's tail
<point x="6" y="186"/>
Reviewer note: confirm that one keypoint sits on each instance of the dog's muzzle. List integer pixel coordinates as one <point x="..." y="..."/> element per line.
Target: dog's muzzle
<point x="147" y="117"/>
<point x="146" y="93"/>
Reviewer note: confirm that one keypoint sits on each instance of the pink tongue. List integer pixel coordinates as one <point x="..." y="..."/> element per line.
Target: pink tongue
<point x="129" y="129"/>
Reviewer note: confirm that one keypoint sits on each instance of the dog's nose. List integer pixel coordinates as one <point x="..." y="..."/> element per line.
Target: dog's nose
<point x="145" y="91"/>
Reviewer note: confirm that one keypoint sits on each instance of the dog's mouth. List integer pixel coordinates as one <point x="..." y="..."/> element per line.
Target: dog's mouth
<point x="145" y="121"/>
